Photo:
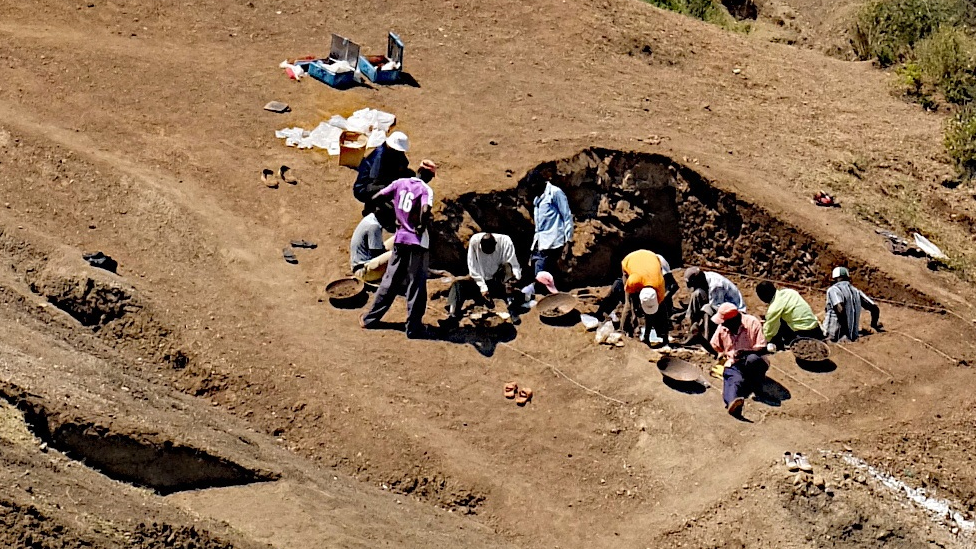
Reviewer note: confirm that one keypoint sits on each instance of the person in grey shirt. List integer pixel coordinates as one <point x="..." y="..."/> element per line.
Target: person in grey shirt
<point x="708" y="292"/>
<point x="368" y="252"/>
<point x="844" y="305"/>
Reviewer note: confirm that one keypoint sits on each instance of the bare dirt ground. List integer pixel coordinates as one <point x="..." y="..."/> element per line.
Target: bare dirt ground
<point x="136" y="128"/>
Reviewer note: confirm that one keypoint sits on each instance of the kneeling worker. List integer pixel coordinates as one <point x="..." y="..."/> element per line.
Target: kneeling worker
<point x="642" y="289"/>
<point x="493" y="268"/>
<point x="709" y="291"/>
<point x="844" y="304"/>
<point x="368" y="252"/>
<point x="788" y="316"/>
<point x="739" y="337"/>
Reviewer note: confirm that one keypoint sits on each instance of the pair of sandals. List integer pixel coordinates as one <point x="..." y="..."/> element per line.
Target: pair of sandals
<point x="522" y="395"/>
<point x="290" y="256"/>
<point x="284" y="173"/>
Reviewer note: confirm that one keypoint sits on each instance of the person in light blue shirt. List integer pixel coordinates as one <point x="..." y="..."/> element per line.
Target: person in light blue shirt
<point x="553" y="240"/>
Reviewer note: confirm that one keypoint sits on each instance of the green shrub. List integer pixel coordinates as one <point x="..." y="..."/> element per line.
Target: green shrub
<point x="887" y="30"/>
<point x="947" y="60"/>
<point x="711" y="11"/>
<point x="916" y="86"/>
<point x="960" y="140"/>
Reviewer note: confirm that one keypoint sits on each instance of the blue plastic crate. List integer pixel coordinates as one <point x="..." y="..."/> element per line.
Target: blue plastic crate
<point x="342" y="49"/>
<point x="370" y="65"/>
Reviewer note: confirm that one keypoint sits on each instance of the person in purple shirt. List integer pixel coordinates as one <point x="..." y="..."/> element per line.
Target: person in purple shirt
<point x="412" y="200"/>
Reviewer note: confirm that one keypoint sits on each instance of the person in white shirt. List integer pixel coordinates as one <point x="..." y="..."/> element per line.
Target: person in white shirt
<point x="493" y="270"/>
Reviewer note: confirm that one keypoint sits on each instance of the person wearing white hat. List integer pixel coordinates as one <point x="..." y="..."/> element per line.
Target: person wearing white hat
<point x="385" y="164"/>
<point x="844" y="305"/>
<point x="642" y="290"/>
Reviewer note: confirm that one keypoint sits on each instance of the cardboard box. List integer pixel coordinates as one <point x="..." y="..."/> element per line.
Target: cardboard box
<point x="352" y="149"/>
<point x="370" y="65"/>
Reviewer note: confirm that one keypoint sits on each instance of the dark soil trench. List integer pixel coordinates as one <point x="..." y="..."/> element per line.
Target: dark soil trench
<point x="624" y="201"/>
<point x="164" y="467"/>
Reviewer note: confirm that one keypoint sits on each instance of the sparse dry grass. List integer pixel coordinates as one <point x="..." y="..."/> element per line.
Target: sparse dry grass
<point x="902" y="205"/>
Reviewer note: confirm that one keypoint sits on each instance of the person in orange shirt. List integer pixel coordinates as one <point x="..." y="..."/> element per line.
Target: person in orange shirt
<point x="642" y="290"/>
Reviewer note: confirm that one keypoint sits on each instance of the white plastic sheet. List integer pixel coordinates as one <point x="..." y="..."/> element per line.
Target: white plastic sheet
<point x="371" y="122"/>
<point x="931" y="249"/>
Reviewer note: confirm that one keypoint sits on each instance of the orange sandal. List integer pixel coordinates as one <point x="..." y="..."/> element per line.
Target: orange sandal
<point x="511" y="389"/>
<point x="524" y="396"/>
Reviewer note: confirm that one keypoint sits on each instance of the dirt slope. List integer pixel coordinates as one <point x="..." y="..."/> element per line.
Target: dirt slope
<point x="136" y="129"/>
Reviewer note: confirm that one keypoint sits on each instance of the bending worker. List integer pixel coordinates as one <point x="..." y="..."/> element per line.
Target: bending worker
<point x="493" y="270"/>
<point x="788" y="316"/>
<point x="642" y="290"/>
<point x="844" y="304"/>
<point x="708" y="292"/>
<point x="739" y="337"/>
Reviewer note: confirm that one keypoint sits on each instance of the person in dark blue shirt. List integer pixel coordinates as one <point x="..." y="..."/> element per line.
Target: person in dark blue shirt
<point x="381" y="167"/>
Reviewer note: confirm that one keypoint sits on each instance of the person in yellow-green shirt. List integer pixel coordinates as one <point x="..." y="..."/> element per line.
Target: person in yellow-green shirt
<point x="788" y="316"/>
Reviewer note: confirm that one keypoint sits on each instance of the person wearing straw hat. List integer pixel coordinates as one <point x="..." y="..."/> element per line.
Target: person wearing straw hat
<point x="739" y="338"/>
<point x="381" y="167"/>
<point x="412" y="200"/>
<point x="788" y="315"/>
<point x="844" y="305"/>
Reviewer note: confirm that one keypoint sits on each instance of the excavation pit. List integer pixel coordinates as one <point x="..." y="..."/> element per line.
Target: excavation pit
<point x="162" y="466"/>
<point x="623" y="201"/>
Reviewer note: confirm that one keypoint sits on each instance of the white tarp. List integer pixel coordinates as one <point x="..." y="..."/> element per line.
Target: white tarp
<point x="931" y="249"/>
<point x="371" y="122"/>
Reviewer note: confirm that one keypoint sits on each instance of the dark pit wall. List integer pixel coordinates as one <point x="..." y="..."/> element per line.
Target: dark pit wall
<point x="616" y="211"/>
<point x="623" y="201"/>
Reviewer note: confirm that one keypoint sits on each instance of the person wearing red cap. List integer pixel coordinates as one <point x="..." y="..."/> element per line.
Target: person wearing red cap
<point x="739" y="337"/>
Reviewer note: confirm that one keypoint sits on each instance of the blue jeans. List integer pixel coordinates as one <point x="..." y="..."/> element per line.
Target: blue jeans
<point x="743" y="377"/>
<point x="546" y="260"/>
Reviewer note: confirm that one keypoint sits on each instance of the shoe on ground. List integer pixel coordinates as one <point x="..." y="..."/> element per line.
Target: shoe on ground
<point x="267" y="177"/>
<point x="790" y="462"/>
<point x="802" y="463"/>
<point x="735" y="407"/>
